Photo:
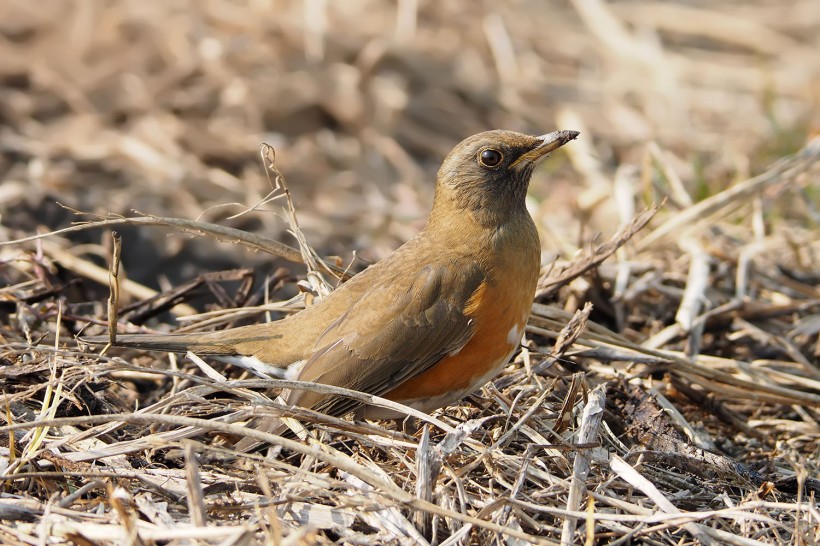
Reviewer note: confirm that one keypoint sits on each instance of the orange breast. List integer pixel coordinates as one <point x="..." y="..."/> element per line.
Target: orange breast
<point x="500" y="315"/>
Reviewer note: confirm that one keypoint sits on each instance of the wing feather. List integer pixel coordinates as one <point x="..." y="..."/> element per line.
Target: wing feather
<point x="395" y="331"/>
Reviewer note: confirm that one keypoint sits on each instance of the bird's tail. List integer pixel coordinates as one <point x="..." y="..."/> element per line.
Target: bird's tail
<point x="201" y="344"/>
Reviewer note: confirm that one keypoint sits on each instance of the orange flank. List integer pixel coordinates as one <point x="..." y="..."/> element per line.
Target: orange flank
<point x="497" y="314"/>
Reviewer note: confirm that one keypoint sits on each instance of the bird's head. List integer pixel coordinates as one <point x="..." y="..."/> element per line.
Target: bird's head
<point x="488" y="174"/>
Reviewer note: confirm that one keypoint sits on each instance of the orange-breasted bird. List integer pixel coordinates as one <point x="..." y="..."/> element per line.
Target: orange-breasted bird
<point x="433" y="321"/>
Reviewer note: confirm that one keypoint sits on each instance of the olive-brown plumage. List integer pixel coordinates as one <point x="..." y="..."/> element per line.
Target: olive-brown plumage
<point x="434" y="320"/>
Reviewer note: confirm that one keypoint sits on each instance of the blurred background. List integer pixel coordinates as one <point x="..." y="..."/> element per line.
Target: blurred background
<point x="161" y="107"/>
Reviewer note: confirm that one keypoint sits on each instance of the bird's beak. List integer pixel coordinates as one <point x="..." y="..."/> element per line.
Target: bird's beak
<point x="549" y="142"/>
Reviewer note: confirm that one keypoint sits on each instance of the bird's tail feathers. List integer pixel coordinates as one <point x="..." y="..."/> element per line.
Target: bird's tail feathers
<point x="172" y="343"/>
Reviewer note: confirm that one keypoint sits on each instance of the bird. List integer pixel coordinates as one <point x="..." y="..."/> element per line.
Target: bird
<point x="430" y="323"/>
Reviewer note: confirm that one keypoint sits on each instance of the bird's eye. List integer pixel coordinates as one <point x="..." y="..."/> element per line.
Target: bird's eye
<point x="490" y="158"/>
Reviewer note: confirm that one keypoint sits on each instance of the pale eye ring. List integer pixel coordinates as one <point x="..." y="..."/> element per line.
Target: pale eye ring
<point x="490" y="157"/>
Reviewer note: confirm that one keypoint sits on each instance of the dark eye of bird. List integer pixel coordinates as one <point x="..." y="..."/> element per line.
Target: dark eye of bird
<point x="490" y="158"/>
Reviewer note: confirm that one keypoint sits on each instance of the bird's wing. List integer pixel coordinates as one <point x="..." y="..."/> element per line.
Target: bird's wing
<point x="395" y="331"/>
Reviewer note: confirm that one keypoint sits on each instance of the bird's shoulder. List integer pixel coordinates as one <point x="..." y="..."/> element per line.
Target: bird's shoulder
<point x="413" y="294"/>
<point x="421" y="261"/>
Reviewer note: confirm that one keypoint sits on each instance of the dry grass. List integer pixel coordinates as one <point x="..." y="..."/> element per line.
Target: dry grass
<point x="683" y="407"/>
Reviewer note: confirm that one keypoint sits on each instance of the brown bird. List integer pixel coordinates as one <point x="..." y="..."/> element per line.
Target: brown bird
<point x="430" y="323"/>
